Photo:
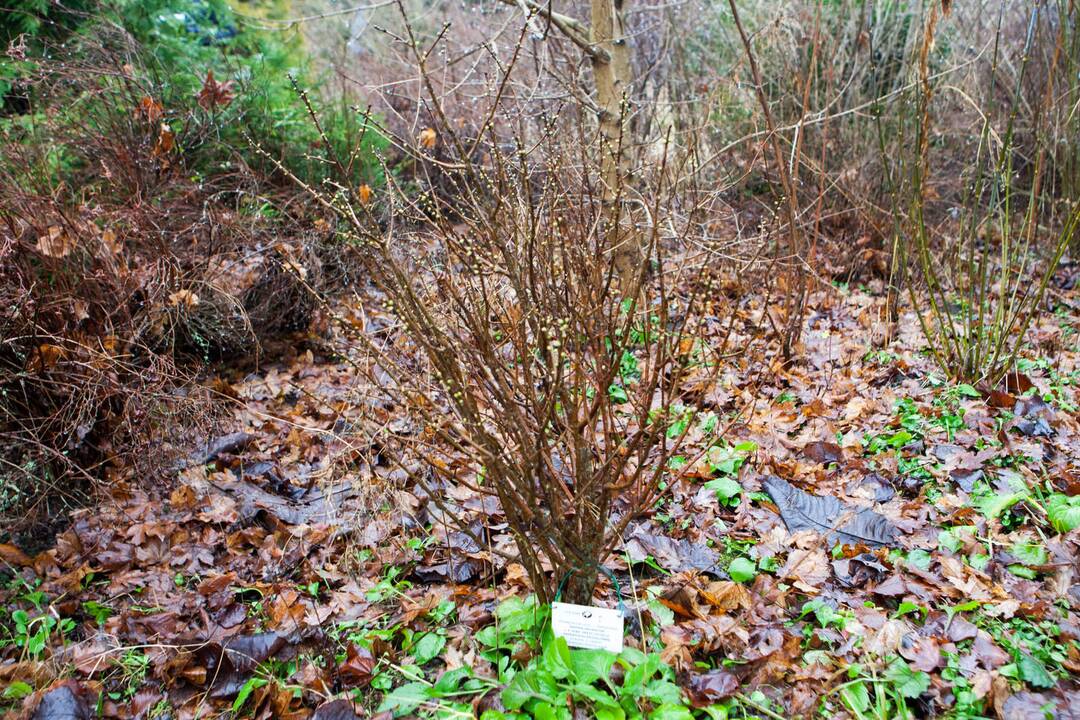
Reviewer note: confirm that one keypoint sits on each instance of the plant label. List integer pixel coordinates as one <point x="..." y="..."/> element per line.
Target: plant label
<point x="588" y="627"/>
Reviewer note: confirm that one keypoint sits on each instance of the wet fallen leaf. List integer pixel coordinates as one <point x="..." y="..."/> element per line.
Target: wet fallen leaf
<point x="704" y="689"/>
<point x="827" y="515"/>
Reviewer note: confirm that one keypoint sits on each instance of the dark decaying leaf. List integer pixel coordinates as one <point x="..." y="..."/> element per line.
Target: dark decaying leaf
<point x="966" y="479"/>
<point x="709" y="688"/>
<point x="672" y="555"/>
<point x="823" y="452"/>
<point x="320" y="505"/>
<point x="247" y="651"/>
<point x="1026" y="705"/>
<point x="459" y="570"/>
<point x="224" y="445"/>
<point x="66" y="701"/>
<point x="359" y="666"/>
<point x="1037" y="427"/>
<point x="857" y="571"/>
<point x="228" y="667"/>
<point x="802" y="511"/>
<point x="335" y="710"/>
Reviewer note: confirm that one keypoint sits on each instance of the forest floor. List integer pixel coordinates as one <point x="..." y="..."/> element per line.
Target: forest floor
<point x="288" y="572"/>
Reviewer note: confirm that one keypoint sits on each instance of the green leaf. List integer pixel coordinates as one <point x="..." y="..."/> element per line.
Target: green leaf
<point x="637" y="676"/>
<point x="727" y="490"/>
<point x="528" y="685"/>
<point x="1063" y="512"/>
<point x="591" y="665"/>
<point x="1022" y="571"/>
<point x="993" y="505"/>
<point x="618" y="394"/>
<point x="427" y="648"/>
<point x="663" y="692"/>
<point x="856" y="696"/>
<point x="557" y="657"/>
<point x="920" y="558"/>
<point x="1029" y="553"/>
<point x="245" y="692"/>
<point x="450" y="680"/>
<point x="948" y="540"/>
<point x="609" y="713"/>
<point x="967" y="390"/>
<point x="680" y="423"/>
<point x="543" y="711"/>
<point x="669" y="711"/>
<point x="664" y="615"/>
<point x="519" y="690"/>
<point x="906" y="608"/>
<point x="909" y="683"/>
<point x="514" y="617"/>
<point x="405" y="699"/>
<point x="1034" y="672"/>
<point x="727" y="461"/>
<point x="595" y="694"/>
<point x="742" y="570"/>
<point x="17" y="690"/>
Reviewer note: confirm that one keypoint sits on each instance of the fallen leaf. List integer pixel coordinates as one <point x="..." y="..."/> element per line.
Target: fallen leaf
<point x="183" y="298"/>
<point x="705" y="689"/>
<point x="823" y="452"/>
<point x="802" y="511"/>
<point x="806" y="569"/>
<point x="65" y="701"/>
<point x="56" y="242"/>
<point x="335" y="710"/>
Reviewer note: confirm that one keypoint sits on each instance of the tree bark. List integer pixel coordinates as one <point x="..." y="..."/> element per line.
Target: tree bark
<point x="612" y="74"/>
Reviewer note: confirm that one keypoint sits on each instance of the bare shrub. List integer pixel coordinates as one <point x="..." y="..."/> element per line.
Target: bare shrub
<point x="536" y="380"/>
<point x="985" y="271"/>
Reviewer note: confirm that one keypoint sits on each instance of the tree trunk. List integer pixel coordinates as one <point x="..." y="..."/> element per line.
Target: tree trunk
<point x="612" y="74"/>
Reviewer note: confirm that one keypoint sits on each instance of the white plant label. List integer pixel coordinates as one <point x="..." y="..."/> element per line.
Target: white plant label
<point x="588" y="627"/>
